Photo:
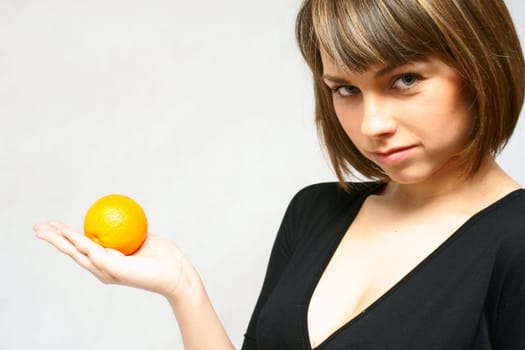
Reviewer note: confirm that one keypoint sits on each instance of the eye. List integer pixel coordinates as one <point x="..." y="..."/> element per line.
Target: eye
<point x="345" y="90"/>
<point x="406" y="81"/>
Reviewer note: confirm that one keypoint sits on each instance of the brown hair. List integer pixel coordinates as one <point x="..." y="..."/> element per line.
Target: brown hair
<point x="475" y="37"/>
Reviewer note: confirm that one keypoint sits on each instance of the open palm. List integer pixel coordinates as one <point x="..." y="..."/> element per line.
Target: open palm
<point x="158" y="266"/>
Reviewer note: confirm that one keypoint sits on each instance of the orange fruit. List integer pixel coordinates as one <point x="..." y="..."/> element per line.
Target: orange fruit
<point x="118" y="222"/>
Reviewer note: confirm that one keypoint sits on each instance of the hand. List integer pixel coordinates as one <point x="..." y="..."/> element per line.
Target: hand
<point x="158" y="266"/>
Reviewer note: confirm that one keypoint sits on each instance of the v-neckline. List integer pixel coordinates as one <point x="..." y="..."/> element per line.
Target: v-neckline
<point x="352" y="214"/>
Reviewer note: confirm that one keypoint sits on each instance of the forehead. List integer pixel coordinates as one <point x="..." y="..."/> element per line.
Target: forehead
<point x="429" y="65"/>
<point x="358" y="33"/>
<point x="329" y="65"/>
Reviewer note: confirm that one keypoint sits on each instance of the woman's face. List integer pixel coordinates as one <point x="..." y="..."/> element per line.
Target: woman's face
<point x="411" y="120"/>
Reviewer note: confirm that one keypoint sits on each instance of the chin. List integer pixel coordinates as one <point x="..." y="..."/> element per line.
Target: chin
<point x="409" y="176"/>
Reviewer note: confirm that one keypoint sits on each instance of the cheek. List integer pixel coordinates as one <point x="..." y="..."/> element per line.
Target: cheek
<point x="452" y="115"/>
<point x="349" y="120"/>
<point x="444" y="126"/>
<point x="443" y="106"/>
<point x="456" y="115"/>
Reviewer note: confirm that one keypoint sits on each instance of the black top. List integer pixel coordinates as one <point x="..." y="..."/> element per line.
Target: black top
<point x="468" y="294"/>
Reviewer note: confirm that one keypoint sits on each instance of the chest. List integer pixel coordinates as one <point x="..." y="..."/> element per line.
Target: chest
<point x="340" y="288"/>
<point x="370" y="260"/>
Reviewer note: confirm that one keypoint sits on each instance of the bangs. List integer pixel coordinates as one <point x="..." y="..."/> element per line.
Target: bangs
<point x="475" y="37"/>
<point x="360" y="33"/>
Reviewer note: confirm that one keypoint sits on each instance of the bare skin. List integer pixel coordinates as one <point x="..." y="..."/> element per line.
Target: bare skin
<point x="374" y="255"/>
<point x="411" y="120"/>
<point x="160" y="267"/>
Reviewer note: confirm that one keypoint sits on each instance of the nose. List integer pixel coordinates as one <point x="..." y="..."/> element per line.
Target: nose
<point x="378" y="117"/>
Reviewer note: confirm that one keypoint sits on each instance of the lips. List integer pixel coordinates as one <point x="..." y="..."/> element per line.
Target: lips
<point x="392" y="155"/>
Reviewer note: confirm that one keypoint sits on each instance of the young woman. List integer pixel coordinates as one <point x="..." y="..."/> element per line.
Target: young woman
<point x="418" y="96"/>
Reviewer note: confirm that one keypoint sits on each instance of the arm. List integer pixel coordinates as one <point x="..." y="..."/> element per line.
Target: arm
<point x="158" y="266"/>
<point x="282" y="251"/>
<point x="278" y="261"/>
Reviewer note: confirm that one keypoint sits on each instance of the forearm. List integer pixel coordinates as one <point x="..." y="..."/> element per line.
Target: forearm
<point x="199" y="324"/>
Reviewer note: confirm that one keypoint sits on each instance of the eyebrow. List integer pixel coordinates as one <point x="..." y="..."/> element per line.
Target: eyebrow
<point x="381" y="72"/>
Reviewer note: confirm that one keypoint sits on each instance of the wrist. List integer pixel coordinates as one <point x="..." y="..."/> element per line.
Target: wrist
<point x="189" y="289"/>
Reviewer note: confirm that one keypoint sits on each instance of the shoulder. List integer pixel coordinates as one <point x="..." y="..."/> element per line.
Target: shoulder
<point x="330" y="193"/>
<point x="319" y="204"/>
<point x="328" y="197"/>
<point x="506" y="296"/>
<point x="508" y="223"/>
<point x="508" y="219"/>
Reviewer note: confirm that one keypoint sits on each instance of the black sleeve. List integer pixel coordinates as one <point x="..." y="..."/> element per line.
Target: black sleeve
<point x="279" y="257"/>
<point x="509" y="322"/>
<point x="309" y="207"/>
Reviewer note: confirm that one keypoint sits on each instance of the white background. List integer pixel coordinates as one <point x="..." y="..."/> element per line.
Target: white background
<point x="201" y="111"/>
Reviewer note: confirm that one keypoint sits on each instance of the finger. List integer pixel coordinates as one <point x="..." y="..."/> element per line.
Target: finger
<point x="111" y="263"/>
<point x="106" y="263"/>
<point x="49" y="231"/>
<point x="42" y="229"/>
<point x="81" y="242"/>
<point x="85" y="244"/>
